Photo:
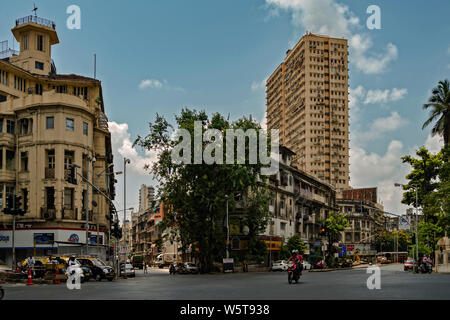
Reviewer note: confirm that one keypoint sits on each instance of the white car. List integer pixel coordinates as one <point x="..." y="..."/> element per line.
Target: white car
<point x="280" y="265"/>
<point x="306" y="265"/>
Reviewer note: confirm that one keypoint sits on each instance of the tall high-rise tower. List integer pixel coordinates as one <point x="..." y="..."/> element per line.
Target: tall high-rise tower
<point x="307" y="101"/>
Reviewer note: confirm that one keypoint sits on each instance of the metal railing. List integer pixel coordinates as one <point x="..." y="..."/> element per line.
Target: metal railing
<point x="8" y="53"/>
<point x="36" y="19"/>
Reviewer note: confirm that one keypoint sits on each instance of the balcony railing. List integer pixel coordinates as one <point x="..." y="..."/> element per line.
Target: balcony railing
<point x="49" y="173"/>
<point x="70" y="214"/>
<point x="36" y="19"/>
<point x="83" y="215"/>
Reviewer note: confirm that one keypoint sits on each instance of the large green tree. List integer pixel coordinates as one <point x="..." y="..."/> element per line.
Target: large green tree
<point x="431" y="176"/>
<point x="197" y="193"/>
<point x="425" y="170"/>
<point x="439" y="105"/>
<point x="334" y="225"/>
<point x="296" y="243"/>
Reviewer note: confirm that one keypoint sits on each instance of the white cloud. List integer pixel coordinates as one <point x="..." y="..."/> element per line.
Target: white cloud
<point x="390" y="123"/>
<point x="329" y="17"/>
<point x="382" y="171"/>
<point x="256" y="86"/>
<point x="157" y="84"/>
<point x="398" y="94"/>
<point x="123" y="147"/>
<point x="263" y="122"/>
<point x="320" y="16"/>
<point x="354" y="97"/>
<point x="434" y="144"/>
<point x="384" y="96"/>
<point x="377" y="129"/>
<point x="370" y="63"/>
<point x="150" y="83"/>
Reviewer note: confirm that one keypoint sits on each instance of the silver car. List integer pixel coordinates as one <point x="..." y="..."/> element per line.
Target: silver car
<point x="129" y="270"/>
<point x="190" y="267"/>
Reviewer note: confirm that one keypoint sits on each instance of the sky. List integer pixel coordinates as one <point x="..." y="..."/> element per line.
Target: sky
<point x="159" y="56"/>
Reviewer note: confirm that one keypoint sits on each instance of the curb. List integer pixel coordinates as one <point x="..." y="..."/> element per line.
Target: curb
<point x="336" y="269"/>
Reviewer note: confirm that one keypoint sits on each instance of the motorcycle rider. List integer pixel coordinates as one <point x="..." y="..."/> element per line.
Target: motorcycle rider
<point x="297" y="259"/>
<point x="427" y="263"/>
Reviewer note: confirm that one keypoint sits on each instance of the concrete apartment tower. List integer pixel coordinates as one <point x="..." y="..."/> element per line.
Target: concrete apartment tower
<point x="49" y="121"/>
<point x="307" y="101"/>
<point x="146" y="196"/>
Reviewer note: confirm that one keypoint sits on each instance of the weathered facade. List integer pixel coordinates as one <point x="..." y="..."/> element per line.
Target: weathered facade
<point x="307" y="101"/>
<point x="48" y="122"/>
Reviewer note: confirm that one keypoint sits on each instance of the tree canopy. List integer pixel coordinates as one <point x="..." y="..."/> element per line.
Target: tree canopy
<point x="197" y="193"/>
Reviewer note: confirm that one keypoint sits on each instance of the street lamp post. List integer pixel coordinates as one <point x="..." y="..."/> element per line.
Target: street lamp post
<point x="89" y="160"/>
<point x="125" y="161"/>
<point x="417" y="221"/>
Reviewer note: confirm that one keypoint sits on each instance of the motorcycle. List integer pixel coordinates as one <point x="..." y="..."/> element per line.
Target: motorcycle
<point x="294" y="272"/>
<point x="425" y="267"/>
<point x="172" y="269"/>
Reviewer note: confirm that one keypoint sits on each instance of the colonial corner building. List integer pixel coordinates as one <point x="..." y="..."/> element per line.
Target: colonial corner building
<point x="49" y="121"/>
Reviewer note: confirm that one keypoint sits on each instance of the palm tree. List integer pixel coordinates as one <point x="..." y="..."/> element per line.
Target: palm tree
<point x="439" y="103"/>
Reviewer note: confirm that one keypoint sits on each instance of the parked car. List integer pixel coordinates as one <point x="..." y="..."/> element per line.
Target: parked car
<point x="409" y="264"/>
<point x="280" y="265"/>
<point x="306" y="265"/>
<point x="320" y="265"/>
<point x="180" y="268"/>
<point x="86" y="272"/>
<point x="190" y="267"/>
<point x="129" y="270"/>
<point x="98" y="268"/>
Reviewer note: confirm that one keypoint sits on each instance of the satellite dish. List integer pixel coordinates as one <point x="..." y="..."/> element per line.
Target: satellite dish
<point x="94" y="203"/>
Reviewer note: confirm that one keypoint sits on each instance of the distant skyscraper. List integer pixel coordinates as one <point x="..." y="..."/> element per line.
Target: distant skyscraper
<point x="307" y="100"/>
<point x="146" y="196"/>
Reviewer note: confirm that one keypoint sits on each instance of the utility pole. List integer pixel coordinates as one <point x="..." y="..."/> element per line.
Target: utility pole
<point x="228" y="232"/>
<point x="13" y="234"/>
<point x="417" y="228"/>
<point x="87" y="201"/>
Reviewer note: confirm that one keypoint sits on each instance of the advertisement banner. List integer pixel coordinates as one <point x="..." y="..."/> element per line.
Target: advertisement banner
<point x="44" y="238"/>
<point x="404" y="224"/>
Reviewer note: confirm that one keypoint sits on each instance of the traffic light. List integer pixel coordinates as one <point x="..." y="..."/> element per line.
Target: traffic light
<point x="72" y="175"/>
<point x="9" y="208"/>
<point x="13" y="205"/>
<point x="323" y="230"/>
<point x="10" y="201"/>
<point x="18" y="206"/>
<point x="413" y="238"/>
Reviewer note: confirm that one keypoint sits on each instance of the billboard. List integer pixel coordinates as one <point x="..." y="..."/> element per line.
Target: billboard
<point x="44" y="238"/>
<point x="363" y="194"/>
<point x="404" y="223"/>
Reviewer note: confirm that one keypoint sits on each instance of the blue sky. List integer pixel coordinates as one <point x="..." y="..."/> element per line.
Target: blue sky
<point x="159" y="56"/>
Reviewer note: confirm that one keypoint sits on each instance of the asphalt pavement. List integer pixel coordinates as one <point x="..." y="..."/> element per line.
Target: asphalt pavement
<point x="159" y="285"/>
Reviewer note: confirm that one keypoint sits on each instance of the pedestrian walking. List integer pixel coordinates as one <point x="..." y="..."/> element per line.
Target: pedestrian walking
<point x="30" y="264"/>
<point x="145" y="267"/>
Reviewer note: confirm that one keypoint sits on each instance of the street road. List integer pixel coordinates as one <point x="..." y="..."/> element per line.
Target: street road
<point x="345" y="284"/>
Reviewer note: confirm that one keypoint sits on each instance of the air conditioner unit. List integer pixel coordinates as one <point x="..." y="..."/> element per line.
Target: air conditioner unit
<point x="49" y="215"/>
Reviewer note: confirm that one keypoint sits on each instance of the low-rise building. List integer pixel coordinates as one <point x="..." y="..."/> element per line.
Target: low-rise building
<point x="366" y="219"/>
<point x="299" y="202"/>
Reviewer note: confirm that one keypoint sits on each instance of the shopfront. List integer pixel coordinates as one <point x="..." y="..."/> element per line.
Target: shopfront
<point x="49" y="241"/>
